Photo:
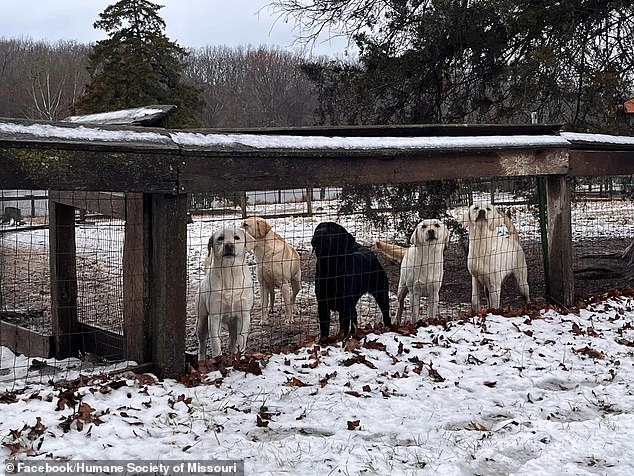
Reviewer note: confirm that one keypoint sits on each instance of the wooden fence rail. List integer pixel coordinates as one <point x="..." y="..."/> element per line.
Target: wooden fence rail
<point x="156" y="168"/>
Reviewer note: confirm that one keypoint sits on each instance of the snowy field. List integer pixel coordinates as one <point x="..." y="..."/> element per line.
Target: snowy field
<point x="549" y="393"/>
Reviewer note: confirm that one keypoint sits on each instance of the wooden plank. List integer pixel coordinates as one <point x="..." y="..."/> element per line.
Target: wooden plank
<point x="63" y="279"/>
<point x="25" y="341"/>
<point x="135" y="279"/>
<point x="35" y="168"/>
<point x="601" y="162"/>
<point x="168" y="285"/>
<point x="103" y="203"/>
<point x="407" y="130"/>
<point x="299" y="169"/>
<point x="560" y="277"/>
<point x="101" y="342"/>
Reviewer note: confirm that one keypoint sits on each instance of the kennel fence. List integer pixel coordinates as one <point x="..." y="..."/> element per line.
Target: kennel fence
<point x="156" y="243"/>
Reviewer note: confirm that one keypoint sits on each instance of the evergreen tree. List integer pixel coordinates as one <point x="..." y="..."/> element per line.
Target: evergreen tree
<point x="487" y="61"/>
<point x="138" y="65"/>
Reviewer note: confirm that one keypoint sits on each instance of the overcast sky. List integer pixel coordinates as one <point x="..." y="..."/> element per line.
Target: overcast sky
<point x="189" y="22"/>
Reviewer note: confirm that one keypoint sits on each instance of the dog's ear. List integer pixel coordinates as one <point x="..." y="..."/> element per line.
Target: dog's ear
<point x="348" y="240"/>
<point x="210" y="255"/>
<point x="210" y="243"/>
<point x="343" y="239"/>
<point x="262" y="227"/>
<point x="414" y="239"/>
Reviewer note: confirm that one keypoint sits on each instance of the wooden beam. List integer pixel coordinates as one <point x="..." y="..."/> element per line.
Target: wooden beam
<point x="244" y="169"/>
<point x="300" y="169"/>
<point x="25" y="341"/>
<point x="561" y="277"/>
<point x="601" y="162"/>
<point x="42" y="167"/>
<point x="168" y="285"/>
<point x="63" y="279"/>
<point x="103" y="203"/>
<point x="135" y="278"/>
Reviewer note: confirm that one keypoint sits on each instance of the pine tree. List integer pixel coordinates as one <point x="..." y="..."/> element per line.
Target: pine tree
<point x="138" y="65"/>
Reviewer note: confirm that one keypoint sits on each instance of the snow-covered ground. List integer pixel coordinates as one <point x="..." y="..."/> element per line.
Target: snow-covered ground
<point x="549" y="393"/>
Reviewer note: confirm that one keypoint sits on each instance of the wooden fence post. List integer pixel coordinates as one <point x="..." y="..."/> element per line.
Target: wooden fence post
<point x="136" y="320"/>
<point x="560" y="280"/>
<point x="168" y="283"/>
<point x="67" y="340"/>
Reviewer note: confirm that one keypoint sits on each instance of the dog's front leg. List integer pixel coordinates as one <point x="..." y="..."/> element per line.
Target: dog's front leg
<point x="493" y="295"/>
<point x="433" y="293"/>
<point x="475" y="294"/>
<point x="202" y="326"/>
<point x="323" y="312"/>
<point x="400" y="296"/>
<point x="415" y="302"/>
<point x="215" y="321"/>
<point x="239" y="331"/>
<point x="347" y="318"/>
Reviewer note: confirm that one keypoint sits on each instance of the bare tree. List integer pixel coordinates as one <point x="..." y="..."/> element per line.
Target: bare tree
<point x="41" y="80"/>
<point x="252" y="87"/>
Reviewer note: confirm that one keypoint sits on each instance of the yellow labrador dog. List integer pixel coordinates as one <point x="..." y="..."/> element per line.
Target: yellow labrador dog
<point x="278" y="267"/>
<point x="493" y="257"/>
<point x="422" y="268"/>
<point x="225" y="295"/>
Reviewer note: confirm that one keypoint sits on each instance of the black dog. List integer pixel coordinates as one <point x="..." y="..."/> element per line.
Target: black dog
<point x="345" y="271"/>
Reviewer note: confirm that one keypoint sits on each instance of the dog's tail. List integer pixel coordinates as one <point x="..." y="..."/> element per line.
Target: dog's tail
<point x="391" y="250"/>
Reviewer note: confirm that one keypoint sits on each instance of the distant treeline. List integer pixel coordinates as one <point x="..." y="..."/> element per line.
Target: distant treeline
<point x="241" y="87"/>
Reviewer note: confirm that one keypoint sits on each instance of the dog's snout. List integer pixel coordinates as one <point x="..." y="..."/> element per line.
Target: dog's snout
<point x="482" y="214"/>
<point x="228" y="249"/>
<point x="431" y="234"/>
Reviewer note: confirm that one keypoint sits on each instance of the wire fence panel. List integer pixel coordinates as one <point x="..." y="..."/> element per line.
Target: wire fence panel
<point x="603" y="229"/>
<point x="282" y="269"/>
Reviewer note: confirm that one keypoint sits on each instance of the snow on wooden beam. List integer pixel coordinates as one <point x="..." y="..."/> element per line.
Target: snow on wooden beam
<point x="148" y="116"/>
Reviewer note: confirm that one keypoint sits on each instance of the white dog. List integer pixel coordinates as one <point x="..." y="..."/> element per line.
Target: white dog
<point x="422" y="268"/>
<point x="278" y="267"/>
<point x="493" y="257"/>
<point x="225" y="295"/>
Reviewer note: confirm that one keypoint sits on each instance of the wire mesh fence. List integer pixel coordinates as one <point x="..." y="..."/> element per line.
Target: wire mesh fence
<point x="390" y="223"/>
